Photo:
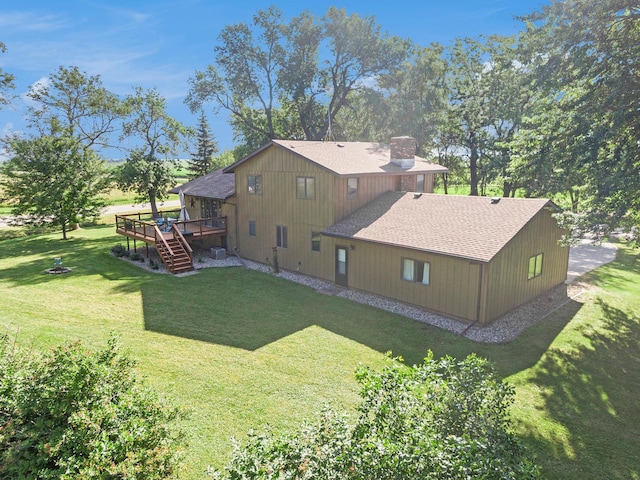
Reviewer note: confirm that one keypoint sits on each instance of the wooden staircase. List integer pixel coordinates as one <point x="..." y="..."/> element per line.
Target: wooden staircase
<point x="174" y="255"/>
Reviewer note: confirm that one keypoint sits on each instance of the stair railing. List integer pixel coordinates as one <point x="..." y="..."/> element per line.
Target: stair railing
<point x="160" y="239"/>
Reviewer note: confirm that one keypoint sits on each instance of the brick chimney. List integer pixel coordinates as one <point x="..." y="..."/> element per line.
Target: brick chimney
<point x="403" y="151"/>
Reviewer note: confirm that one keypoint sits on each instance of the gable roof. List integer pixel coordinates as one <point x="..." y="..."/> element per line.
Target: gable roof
<point x="461" y="226"/>
<point x="217" y="184"/>
<point x="347" y="158"/>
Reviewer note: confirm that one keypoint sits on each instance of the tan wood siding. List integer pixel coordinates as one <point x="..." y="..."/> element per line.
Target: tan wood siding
<point x="453" y="288"/>
<point x="509" y="286"/>
<point x="278" y="205"/>
<point x="369" y="188"/>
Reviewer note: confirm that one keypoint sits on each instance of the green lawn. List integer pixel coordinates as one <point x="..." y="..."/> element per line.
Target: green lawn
<point x="243" y="349"/>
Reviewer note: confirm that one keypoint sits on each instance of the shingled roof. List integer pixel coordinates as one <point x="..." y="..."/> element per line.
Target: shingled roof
<point x="348" y="158"/>
<point x="216" y="184"/>
<point x="476" y="228"/>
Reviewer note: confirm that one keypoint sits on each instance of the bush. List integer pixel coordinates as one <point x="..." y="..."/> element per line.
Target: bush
<point x="77" y="414"/>
<point x="441" y="420"/>
<point x="118" y="250"/>
<point x="136" y="257"/>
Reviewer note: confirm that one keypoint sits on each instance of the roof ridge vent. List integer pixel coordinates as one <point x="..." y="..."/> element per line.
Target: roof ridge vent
<point x="495" y="200"/>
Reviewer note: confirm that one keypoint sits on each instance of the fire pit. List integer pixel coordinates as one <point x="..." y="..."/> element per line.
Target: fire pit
<point x="57" y="267"/>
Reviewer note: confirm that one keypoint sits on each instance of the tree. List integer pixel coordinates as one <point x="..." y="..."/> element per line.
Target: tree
<point x="73" y="413"/>
<point x="584" y="58"/>
<point x="292" y="80"/>
<point x="440" y="420"/>
<point x="416" y="99"/>
<point x="201" y="161"/>
<point x="469" y="100"/>
<point x="148" y="171"/>
<point x="54" y="179"/>
<point x="76" y="104"/>
<point x="6" y="81"/>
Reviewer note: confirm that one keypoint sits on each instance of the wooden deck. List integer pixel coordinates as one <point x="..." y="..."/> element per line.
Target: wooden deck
<point x="170" y="236"/>
<point x="143" y="227"/>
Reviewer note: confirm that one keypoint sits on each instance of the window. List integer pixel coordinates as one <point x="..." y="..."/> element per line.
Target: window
<point x="416" y="271"/>
<point x="281" y="236"/>
<point x="254" y="183"/>
<point x="420" y="183"/>
<point x="252" y="228"/>
<point x="352" y="187"/>
<point x="315" y="241"/>
<point x="535" y="266"/>
<point x="306" y="187"/>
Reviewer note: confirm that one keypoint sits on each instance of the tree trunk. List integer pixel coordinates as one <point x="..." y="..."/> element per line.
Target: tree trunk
<point x="445" y="183"/>
<point x="473" y="164"/>
<point x="153" y="205"/>
<point x="506" y="189"/>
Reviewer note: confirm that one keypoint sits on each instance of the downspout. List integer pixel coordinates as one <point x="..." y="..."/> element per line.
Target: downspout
<point x="479" y="303"/>
<point x="235" y="213"/>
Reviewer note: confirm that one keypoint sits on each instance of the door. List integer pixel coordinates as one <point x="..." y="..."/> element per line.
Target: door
<point x="341" y="266"/>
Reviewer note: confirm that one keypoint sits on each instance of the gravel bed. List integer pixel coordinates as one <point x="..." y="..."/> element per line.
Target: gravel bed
<point x="502" y="330"/>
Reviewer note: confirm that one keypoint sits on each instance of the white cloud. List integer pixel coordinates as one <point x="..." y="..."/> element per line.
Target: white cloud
<point x="16" y="22"/>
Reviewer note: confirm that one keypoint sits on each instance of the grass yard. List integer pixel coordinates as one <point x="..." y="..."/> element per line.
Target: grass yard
<point x="241" y="349"/>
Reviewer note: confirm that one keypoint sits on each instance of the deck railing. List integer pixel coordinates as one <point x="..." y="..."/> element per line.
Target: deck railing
<point x="148" y="228"/>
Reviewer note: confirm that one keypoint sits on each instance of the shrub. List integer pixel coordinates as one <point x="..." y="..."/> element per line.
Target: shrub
<point x="118" y="250"/>
<point x="136" y="257"/>
<point x="78" y="414"/>
<point x="441" y="420"/>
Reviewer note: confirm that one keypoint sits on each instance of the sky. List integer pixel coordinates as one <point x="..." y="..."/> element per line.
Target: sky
<point x="162" y="43"/>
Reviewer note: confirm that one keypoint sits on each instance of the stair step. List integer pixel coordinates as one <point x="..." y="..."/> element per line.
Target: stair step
<point x="180" y="261"/>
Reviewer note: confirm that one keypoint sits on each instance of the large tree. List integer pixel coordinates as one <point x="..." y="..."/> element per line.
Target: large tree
<point x="54" y="179"/>
<point x="148" y="171"/>
<point x="586" y="61"/>
<point x="71" y="102"/>
<point x="201" y="161"/>
<point x="291" y="80"/>
<point x="6" y="81"/>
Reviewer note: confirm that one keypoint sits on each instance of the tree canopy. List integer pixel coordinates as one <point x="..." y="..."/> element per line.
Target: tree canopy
<point x="443" y="419"/>
<point x="148" y="171"/>
<point x="74" y="413"/>
<point x="6" y="81"/>
<point x="291" y="80"/>
<point x="54" y="179"/>
<point x="75" y="103"/>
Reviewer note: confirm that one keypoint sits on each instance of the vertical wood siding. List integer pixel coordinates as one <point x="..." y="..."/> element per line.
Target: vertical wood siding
<point x="509" y="286"/>
<point x="278" y="205"/>
<point x="376" y="268"/>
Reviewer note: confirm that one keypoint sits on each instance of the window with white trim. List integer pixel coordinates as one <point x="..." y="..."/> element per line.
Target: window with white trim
<point x="416" y="271"/>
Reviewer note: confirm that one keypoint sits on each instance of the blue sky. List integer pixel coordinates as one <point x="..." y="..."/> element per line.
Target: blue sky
<point x="161" y="43"/>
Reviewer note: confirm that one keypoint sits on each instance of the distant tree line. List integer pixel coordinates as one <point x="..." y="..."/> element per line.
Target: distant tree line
<point x="552" y="111"/>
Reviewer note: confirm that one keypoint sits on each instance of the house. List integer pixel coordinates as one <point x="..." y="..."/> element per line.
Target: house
<point x="363" y="215"/>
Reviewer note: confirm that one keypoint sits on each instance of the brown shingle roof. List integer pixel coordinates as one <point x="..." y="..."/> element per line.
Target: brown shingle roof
<point x="348" y="158"/>
<point x="216" y="184"/>
<point x="467" y="227"/>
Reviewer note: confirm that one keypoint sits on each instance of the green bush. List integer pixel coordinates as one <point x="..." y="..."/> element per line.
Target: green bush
<point x="77" y="414"/>
<point x="118" y="250"/>
<point x="441" y="420"/>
